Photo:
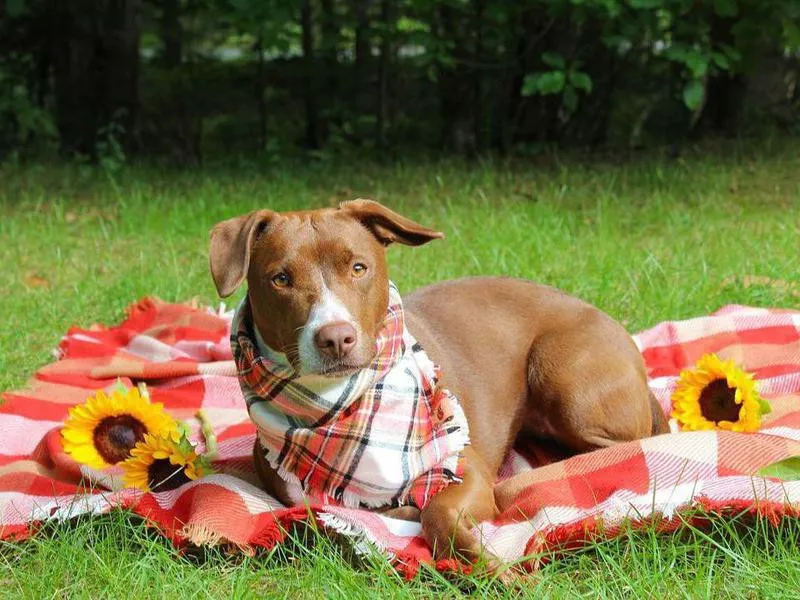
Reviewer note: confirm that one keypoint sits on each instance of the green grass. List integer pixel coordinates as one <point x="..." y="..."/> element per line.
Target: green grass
<point x="114" y="556"/>
<point x="646" y="240"/>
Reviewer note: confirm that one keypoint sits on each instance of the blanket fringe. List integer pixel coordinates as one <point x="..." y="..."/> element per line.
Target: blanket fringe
<point x="700" y="514"/>
<point x="201" y="535"/>
<point x="364" y="544"/>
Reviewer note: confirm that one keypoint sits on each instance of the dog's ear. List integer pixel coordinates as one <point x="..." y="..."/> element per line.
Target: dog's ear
<point x="229" y="251"/>
<point x="387" y="225"/>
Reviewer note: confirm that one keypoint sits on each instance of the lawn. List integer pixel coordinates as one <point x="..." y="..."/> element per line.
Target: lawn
<point x="646" y="239"/>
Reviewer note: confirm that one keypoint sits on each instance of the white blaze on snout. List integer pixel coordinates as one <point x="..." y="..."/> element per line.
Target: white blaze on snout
<point x="329" y="309"/>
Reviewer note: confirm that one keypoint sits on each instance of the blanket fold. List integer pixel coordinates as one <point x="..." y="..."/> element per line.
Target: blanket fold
<point x="182" y="352"/>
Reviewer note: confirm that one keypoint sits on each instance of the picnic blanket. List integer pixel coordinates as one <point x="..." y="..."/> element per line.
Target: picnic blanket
<point x="182" y="352"/>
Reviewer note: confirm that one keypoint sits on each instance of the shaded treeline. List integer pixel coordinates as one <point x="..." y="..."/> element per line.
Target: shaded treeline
<point x="187" y="77"/>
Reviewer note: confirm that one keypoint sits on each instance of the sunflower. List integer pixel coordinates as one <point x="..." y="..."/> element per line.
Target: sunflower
<point x="717" y="394"/>
<point x="161" y="463"/>
<point x="102" y="431"/>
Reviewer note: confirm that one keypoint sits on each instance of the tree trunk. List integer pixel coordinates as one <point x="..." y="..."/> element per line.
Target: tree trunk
<point x="330" y="42"/>
<point x="362" y="48"/>
<point x="261" y="103"/>
<point x="530" y="119"/>
<point x="171" y="33"/>
<point x="384" y="64"/>
<point x="312" y="140"/>
<point x="44" y="55"/>
<point x="96" y="69"/>
<point x="724" y="92"/>
<point x="478" y="110"/>
<point x="329" y="29"/>
<point x="515" y="78"/>
<point x="589" y="124"/>
<point x="455" y="86"/>
<point x="361" y="92"/>
<point x="74" y="75"/>
<point x="121" y="39"/>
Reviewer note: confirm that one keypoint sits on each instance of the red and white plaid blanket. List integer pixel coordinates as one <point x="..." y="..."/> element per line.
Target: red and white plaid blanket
<point x="183" y="354"/>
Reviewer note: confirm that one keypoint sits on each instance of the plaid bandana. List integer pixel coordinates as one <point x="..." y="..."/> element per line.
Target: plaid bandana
<point x="387" y="435"/>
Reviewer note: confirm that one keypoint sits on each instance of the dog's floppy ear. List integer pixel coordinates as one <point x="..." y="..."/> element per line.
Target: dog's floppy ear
<point x="387" y="225"/>
<point x="229" y="252"/>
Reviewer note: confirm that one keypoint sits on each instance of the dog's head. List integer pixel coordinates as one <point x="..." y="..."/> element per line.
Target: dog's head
<point x="317" y="280"/>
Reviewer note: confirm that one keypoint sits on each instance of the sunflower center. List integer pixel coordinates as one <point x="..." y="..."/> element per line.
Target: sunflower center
<point x="163" y="475"/>
<point x="114" y="437"/>
<point x="718" y="402"/>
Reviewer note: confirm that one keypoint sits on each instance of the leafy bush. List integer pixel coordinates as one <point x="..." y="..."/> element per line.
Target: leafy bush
<point x="256" y="75"/>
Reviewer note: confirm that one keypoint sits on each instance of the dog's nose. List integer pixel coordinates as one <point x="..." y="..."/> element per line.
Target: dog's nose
<point x="336" y="339"/>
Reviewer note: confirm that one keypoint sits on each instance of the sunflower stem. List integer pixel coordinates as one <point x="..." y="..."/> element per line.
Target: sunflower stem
<point x="209" y="436"/>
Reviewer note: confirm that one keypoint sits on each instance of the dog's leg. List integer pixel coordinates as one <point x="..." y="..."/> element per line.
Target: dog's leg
<point x="404" y="513"/>
<point x="660" y="422"/>
<point x="272" y="483"/>
<point x="450" y="515"/>
<point x="588" y="390"/>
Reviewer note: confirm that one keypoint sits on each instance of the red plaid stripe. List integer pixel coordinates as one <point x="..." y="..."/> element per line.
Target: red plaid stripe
<point x="183" y="353"/>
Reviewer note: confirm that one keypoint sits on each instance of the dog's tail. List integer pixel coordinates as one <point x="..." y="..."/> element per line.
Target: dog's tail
<point x="660" y="423"/>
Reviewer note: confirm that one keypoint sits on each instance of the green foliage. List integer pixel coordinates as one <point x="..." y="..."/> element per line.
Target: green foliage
<point x="693" y="94"/>
<point x="786" y="470"/>
<point x="110" y="151"/>
<point x="15" y="8"/>
<point x="564" y="80"/>
<point x="22" y="122"/>
<point x="502" y="73"/>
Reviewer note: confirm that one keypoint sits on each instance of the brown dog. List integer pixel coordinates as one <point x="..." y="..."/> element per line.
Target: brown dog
<point x="522" y="358"/>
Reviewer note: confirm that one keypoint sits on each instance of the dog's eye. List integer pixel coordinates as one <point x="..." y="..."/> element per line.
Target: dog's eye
<point x="359" y="269"/>
<point x="281" y="280"/>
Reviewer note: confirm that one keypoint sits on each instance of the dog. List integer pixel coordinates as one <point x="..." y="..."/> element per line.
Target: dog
<point x="521" y="358"/>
